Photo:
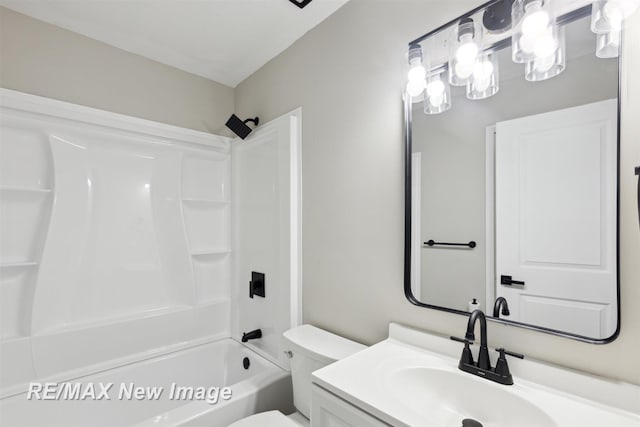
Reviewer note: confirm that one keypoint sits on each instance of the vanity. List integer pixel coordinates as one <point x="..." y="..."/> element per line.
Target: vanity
<point x="412" y="379"/>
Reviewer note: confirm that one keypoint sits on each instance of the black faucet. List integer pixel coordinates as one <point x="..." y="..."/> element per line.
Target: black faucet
<point x="251" y="335"/>
<point x="501" y="302"/>
<point x="500" y="373"/>
<point x="483" y="355"/>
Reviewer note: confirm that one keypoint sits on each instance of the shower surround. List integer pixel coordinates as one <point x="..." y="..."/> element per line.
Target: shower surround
<point x="116" y="242"/>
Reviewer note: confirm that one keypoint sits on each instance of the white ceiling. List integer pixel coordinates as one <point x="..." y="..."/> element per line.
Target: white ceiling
<point x="222" y="40"/>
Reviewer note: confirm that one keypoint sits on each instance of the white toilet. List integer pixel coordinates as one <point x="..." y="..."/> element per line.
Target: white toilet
<point x="311" y="349"/>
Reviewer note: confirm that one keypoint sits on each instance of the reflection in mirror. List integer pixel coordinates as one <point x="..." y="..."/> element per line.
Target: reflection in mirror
<point x="514" y="166"/>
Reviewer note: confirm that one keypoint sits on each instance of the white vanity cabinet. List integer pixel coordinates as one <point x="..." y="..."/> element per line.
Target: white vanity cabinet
<point x="328" y="410"/>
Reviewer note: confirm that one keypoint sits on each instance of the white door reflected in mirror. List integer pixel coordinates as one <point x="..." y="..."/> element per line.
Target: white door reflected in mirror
<point x="556" y="218"/>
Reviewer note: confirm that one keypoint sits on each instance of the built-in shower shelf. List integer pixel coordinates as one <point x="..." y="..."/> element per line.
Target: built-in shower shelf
<point x="205" y="252"/>
<point x="11" y="188"/>
<point x="114" y="320"/>
<point x="21" y="264"/>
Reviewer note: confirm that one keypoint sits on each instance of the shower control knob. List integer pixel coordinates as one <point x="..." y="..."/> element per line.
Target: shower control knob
<point x="288" y="353"/>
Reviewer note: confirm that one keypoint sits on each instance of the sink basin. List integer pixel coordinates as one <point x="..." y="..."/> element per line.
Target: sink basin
<point x="448" y="397"/>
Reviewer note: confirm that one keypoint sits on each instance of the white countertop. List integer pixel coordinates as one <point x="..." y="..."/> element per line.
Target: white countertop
<point x="569" y="398"/>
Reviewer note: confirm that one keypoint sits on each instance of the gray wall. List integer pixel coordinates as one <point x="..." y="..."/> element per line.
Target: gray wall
<point x="347" y="74"/>
<point x="453" y="164"/>
<point x="46" y="60"/>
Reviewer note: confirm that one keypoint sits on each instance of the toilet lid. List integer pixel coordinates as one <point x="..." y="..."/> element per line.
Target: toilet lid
<point x="266" y="419"/>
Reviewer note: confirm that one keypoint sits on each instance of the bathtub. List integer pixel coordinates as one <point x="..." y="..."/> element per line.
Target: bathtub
<point x="262" y="386"/>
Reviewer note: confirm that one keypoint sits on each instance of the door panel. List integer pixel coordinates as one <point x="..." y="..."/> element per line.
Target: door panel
<point x="556" y="213"/>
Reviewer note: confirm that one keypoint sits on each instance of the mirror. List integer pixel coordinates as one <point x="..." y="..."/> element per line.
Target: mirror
<point x="512" y="120"/>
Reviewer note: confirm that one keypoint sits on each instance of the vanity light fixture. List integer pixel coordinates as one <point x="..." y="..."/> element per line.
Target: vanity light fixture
<point x="464" y="51"/>
<point x="416" y="77"/>
<point x="537" y="40"/>
<point x="437" y="96"/>
<point x="484" y="81"/>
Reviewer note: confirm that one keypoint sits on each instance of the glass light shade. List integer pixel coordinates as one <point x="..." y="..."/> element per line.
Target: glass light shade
<point x="532" y="21"/>
<point x="608" y="44"/>
<point x="417" y="73"/>
<point x="437" y="95"/>
<point x="609" y="15"/>
<point x="463" y="51"/>
<point x="485" y="79"/>
<point x="547" y="65"/>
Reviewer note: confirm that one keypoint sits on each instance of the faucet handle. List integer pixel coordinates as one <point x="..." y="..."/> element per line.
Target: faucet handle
<point x="502" y="352"/>
<point x="466" y="358"/>
<point x="462" y="340"/>
<point x="502" y="368"/>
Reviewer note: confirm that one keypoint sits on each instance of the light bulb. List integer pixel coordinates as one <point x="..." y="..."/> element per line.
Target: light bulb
<point x="437" y="98"/>
<point x="435" y="88"/>
<point x="545" y="45"/>
<point x="415" y="88"/>
<point x="435" y="92"/>
<point x="536" y="19"/>
<point x="483" y="69"/>
<point x="416" y="77"/>
<point x="527" y="43"/>
<point x="464" y="71"/>
<point x="485" y="80"/>
<point x="417" y="73"/>
<point x="467" y="52"/>
<point x="482" y="75"/>
<point x="542" y="65"/>
<point x="436" y="101"/>
<point x="464" y="48"/>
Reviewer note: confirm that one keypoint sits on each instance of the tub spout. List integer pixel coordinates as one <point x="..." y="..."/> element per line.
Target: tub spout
<point x="252" y="335"/>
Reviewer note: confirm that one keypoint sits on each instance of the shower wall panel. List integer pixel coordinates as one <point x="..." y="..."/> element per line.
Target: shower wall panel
<point x="114" y="239"/>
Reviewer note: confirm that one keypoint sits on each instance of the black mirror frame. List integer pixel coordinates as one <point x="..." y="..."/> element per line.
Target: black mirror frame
<point x="577" y="14"/>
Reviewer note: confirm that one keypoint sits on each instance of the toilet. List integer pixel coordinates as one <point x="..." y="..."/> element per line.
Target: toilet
<point x="311" y="349"/>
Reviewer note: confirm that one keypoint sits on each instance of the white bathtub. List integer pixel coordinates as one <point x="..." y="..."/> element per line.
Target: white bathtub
<point x="263" y="386"/>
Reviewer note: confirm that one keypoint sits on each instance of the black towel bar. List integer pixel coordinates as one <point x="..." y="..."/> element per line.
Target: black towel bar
<point x="432" y="243"/>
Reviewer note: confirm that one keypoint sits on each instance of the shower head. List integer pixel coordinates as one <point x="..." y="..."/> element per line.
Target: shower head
<point x="240" y="127"/>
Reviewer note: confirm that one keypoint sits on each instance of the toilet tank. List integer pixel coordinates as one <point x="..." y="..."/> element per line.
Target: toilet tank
<point x="313" y="348"/>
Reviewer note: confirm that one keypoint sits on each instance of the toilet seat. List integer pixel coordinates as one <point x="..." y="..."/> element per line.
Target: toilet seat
<point x="266" y="419"/>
